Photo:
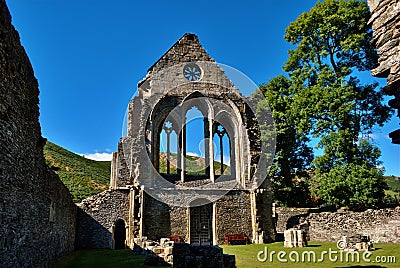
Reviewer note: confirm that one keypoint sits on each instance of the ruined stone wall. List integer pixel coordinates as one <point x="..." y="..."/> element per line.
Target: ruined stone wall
<point x="385" y="22"/>
<point x="288" y="217"/>
<point x="161" y="220"/>
<point x="383" y="225"/>
<point x="179" y="222"/>
<point x="96" y="216"/>
<point x="234" y="215"/>
<point x="186" y="49"/>
<point x="37" y="223"/>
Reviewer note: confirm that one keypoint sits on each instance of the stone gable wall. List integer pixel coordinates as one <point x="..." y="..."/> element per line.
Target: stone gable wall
<point x="383" y="225"/>
<point x="186" y="49"/>
<point x="37" y="214"/>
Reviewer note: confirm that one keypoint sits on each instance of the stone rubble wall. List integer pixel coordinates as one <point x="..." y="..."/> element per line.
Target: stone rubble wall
<point x="385" y="23"/>
<point x="382" y="225"/>
<point x="96" y="217"/>
<point x="289" y="217"/>
<point x="186" y="49"/>
<point x="234" y="215"/>
<point x="162" y="220"/>
<point x="37" y="214"/>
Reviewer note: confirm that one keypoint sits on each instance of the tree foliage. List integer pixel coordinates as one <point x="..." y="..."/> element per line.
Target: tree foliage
<point x="293" y="154"/>
<point x="332" y="45"/>
<point x="352" y="185"/>
<point x="323" y="98"/>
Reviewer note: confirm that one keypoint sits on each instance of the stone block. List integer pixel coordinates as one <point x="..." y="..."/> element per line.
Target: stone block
<point x="164" y="241"/>
<point x="158" y="250"/>
<point x="168" y="250"/>
<point x="229" y="261"/>
<point x="295" y="238"/>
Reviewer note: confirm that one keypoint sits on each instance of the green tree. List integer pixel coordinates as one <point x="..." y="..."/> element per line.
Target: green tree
<point x="293" y="155"/>
<point x="352" y="185"/>
<point x="332" y="45"/>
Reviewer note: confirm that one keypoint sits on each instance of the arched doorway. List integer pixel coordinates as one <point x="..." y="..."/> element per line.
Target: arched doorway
<point x="119" y="234"/>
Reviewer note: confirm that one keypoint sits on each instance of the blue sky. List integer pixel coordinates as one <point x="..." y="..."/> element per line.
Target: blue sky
<point x="88" y="56"/>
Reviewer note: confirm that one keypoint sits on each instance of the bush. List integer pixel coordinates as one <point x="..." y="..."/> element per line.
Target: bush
<point x="355" y="186"/>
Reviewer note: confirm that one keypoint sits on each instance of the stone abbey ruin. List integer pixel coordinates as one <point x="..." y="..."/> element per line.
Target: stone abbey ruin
<point x="199" y="208"/>
<point x="148" y="199"/>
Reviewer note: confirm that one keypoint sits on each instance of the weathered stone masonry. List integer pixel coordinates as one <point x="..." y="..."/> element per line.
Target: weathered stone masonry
<point x="385" y="22"/>
<point x="164" y="88"/>
<point x="382" y="225"/>
<point x="37" y="214"/>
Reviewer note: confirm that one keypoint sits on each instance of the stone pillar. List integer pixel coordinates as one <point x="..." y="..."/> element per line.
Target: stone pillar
<point x="214" y="224"/>
<point x="131" y="219"/>
<point x="141" y="201"/>
<point x="208" y="140"/>
<point x="182" y="140"/>
<point x="254" y="224"/>
<point x="221" y="134"/>
<point x="294" y="238"/>
<point x="168" y="131"/>
<point x="114" y="170"/>
<point x="211" y="149"/>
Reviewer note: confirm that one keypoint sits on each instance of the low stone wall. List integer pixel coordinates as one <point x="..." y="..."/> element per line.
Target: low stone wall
<point x="96" y="217"/>
<point x="382" y="225"/>
<point x="289" y="217"/>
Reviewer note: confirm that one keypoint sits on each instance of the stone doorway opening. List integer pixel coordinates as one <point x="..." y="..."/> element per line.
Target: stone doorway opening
<point x="119" y="234"/>
<point x="201" y="225"/>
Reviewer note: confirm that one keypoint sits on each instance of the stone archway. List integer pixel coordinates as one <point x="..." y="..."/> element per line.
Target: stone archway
<point x="119" y="234"/>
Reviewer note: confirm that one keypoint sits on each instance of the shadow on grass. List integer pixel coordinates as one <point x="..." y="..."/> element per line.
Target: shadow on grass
<point x="101" y="258"/>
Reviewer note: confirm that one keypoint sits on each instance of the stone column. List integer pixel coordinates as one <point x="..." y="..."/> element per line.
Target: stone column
<point x="221" y="134"/>
<point x="131" y="219"/>
<point x="214" y="224"/>
<point x="141" y="200"/>
<point x="211" y="149"/>
<point x="168" y="131"/>
<point x="207" y="140"/>
<point x="114" y="170"/>
<point x="182" y="140"/>
<point x="254" y="224"/>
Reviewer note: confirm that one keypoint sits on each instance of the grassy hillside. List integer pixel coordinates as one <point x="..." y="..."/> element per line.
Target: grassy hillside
<point x="194" y="164"/>
<point x="394" y="187"/>
<point x="393" y="182"/>
<point x="85" y="177"/>
<point x="82" y="176"/>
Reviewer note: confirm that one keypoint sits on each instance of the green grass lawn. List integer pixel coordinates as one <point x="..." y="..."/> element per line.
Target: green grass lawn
<point x="246" y="256"/>
<point x="101" y="258"/>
